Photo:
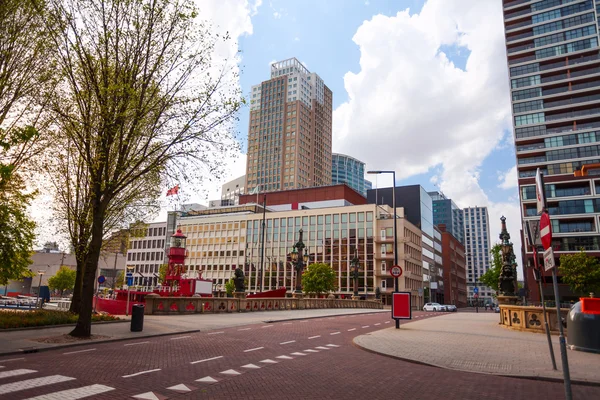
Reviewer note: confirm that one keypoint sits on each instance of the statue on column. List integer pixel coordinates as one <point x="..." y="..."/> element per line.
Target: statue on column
<point x="507" y="282"/>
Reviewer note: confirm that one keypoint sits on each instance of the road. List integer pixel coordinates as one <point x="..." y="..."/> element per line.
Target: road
<point x="300" y="359"/>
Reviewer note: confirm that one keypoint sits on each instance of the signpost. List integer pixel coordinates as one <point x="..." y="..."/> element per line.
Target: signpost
<point x="401" y="305"/>
<point x="545" y="231"/>
<point x="129" y="276"/>
<point x="101" y="279"/>
<point x="396" y="271"/>
<point x="476" y="297"/>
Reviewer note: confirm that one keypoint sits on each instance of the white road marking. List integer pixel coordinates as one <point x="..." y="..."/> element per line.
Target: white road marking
<point x="322" y="348"/>
<point x="206" y="359"/>
<point x="140" y="373"/>
<point x="207" y="379"/>
<point x="335" y="333"/>
<point x="215" y="333"/>
<point x="311" y="351"/>
<point x="146" y="396"/>
<point x="180" y="388"/>
<point x="387" y="322"/>
<point x="16" y="372"/>
<point x="332" y="345"/>
<point x="12" y="359"/>
<point x="314" y="337"/>
<point x="80" y="351"/>
<point x="289" y="341"/>
<point x="74" y="394"/>
<point x="285" y="357"/>
<point x="251" y="366"/>
<point x="268" y="361"/>
<point x="244" y="329"/>
<point x="366" y="326"/>
<point x="179" y="337"/>
<point x="298" y="354"/>
<point x="267" y="326"/>
<point x="33" y="383"/>
<point x="135" y="344"/>
<point x="254" y="349"/>
<point x="287" y="323"/>
<point x="230" y="372"/>
<point x="377" y="324"/>
<point x="352" y="329"/>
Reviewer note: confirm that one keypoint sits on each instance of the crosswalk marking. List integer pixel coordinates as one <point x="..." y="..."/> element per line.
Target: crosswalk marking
<point x="250" y="366"/>
<point x="149" y="396"/>
<point x="181" y="388"/>
<point x="16" y="372"/>
<point x="284" y="358"/>
<point x="322" y="348"/>
<point x="74" y="394"/>
<point x="207" y="379"/>
<point x="33" y="383"/>
<point x="230" y="372"/>
<point x="268" y="361"/>
<point x="298" y="354"/>
<point x="311" y="351"/>
<point x="333" y="345"/>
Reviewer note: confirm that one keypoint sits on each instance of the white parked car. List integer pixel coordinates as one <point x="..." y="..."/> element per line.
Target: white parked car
<point x="434" y="307"/>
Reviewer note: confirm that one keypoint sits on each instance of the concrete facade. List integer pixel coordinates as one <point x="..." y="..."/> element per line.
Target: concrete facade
<point x="147" y="252"/>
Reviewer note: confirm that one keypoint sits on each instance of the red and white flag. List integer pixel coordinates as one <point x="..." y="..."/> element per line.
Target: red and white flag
<point x="173" y="190"/>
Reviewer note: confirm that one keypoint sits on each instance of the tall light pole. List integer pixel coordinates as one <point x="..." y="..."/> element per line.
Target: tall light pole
<point x="40" y="273"/>
<point x="395" y="235"/>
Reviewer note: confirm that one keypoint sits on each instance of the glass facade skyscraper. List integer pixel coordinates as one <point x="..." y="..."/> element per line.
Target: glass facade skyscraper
<point x="446" y="212"/>
<point x="554" y="64"/>
<point x="349" y="170"/>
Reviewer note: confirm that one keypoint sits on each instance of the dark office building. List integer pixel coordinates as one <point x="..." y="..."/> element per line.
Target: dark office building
<point x="446" y="212"/>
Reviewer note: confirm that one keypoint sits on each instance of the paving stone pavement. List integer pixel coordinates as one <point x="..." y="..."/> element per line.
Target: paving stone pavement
<point x="477" y="343"/>
<point x="14" y="342"/>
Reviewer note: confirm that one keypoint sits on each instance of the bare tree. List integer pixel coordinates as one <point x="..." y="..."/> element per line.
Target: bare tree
<point x="141" y="101"/>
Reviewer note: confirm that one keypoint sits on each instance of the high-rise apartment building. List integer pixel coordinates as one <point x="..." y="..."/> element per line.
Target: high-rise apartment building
<point x="477" y="250"/>
<point x="446" y="212"/>
<point x="554" y="60"/>
<point x="290" y="131"/>
<point x="349" y="170"/>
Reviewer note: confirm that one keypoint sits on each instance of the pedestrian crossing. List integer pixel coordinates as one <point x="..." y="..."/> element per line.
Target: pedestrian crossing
<point x="45" y="384"/>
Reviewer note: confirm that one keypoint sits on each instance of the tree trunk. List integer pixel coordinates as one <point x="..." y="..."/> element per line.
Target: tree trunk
<point x="76" y="300"/>
<point x="84" y="322"/>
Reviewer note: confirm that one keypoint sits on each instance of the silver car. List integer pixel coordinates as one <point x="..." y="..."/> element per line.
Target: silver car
<point x="450" y="307"/>
<point x="434" y="307"/>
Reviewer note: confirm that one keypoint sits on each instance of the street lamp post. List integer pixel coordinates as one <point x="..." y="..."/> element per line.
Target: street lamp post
<point x="40" y="273"/>
<point x="299" y="257"/>
<point x="395" y="223"/>
<point x="354" y="266"/>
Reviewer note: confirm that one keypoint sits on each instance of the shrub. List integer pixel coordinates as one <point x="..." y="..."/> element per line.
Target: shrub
<point x="24" y="319"/>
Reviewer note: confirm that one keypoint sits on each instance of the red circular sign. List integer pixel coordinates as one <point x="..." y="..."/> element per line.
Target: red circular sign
<point x="545" y="231"/>
<point x="396" y="271"/>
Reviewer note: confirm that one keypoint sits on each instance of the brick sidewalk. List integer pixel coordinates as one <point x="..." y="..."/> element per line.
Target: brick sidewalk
<point x="15" y="342"/>
<point x="476" y="343"/>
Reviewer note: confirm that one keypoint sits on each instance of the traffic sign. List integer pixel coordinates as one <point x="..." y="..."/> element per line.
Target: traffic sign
<point x="475" y="290"/>
<point x="545" y="231"/>
<point x="401" y="305"/>
<point x="396" y="271"/>
<point x="101" y="279"/>
<point x="539" y="191"/>
<point x="476" y="295"/>
<point x="549" y="259"/>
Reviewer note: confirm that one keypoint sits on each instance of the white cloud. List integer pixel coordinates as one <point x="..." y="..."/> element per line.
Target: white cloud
<point x="296" y="39"/>
<point x="508" y="179"/>
<point x="277" y="15"/>
<point x="423" y="110"/>
<point x="254" y="8"/>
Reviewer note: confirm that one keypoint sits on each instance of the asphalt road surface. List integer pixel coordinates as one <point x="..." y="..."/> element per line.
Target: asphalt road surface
<point x="300" y="359"/>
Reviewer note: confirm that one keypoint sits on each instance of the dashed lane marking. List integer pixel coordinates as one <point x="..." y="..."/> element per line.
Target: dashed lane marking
<point x="16" y="372"/>
<point x="254" y="349"/>
<point x="267" y="326"/>
<point x="298" y="354"/>
<point x="288" y="342"/>
<point x="311" y="351"/>
<point x="230" y="372"/>
<point x="141" y="373"/>
<point x="332" y="345"/>
<point x="352" y="329"/>
<point x="80" y="351"/>
<point x="244" y="329"/>
<point x="33" y="383"/>
<point x="322" y="348"/>
<point x="135" y="344"/>
<point x="366" y="326"/>
<point x="250" y="366"/>
<point x="215" y="333"/>
<point x="284" y="358"/>
<point x="335" y="333"/>
<point x="74" y="394"/>
<point x="314" y="337"/>
<point x="206" y="359"/>
<point x="387" y="322"/>
<point x="180" y="337"/>
<point x="268" y="361"/>
<point x="287" y="323"/>
<point x="12" y="359"/>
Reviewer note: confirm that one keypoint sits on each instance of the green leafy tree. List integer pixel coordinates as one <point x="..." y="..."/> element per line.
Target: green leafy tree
<point x="492" y="275"/>
<point x="64" y="279"/>
<point x="141" y="101"/>
<point x="120" y="279"/>
<point x="581" y="272"/>
<point x="319" y="278"/>
<point x="229" y="287"/>
<point x="162" y="272"/>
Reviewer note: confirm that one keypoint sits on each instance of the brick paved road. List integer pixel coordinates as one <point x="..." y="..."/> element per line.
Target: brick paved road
<point x="306" y="359"/>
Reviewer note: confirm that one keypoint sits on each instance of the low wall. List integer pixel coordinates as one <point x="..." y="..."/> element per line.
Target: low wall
<point x="531" y="319"/>
<point x="194" y="305"/>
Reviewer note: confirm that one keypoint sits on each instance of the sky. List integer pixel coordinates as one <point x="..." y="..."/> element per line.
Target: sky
<point x="419" y="86"/>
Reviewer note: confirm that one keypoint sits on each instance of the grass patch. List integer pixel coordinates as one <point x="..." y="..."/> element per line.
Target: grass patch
<point x="24" y="319"/>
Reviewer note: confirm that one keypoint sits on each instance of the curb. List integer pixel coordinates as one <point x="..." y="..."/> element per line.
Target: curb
<point x="321" y="316"/>
<point x="528" y="377"/>
<point x="63" y="346"/>
<point x="32" y="328"/>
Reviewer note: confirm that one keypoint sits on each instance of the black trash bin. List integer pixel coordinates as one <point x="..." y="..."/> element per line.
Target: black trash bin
<point x="137" y="318"/>
<point x="583" y="330"/>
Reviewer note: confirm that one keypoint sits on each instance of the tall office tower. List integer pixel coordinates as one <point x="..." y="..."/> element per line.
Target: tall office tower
<point x="289" y="134"/>
<point x="446" y="212"/>
<point x="477" y="250"/>
<point x="554" y="60"/>
<point x="349" y="170"/>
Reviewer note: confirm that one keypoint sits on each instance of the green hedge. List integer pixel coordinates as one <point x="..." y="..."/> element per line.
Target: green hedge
<point x="25" y="319"/>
